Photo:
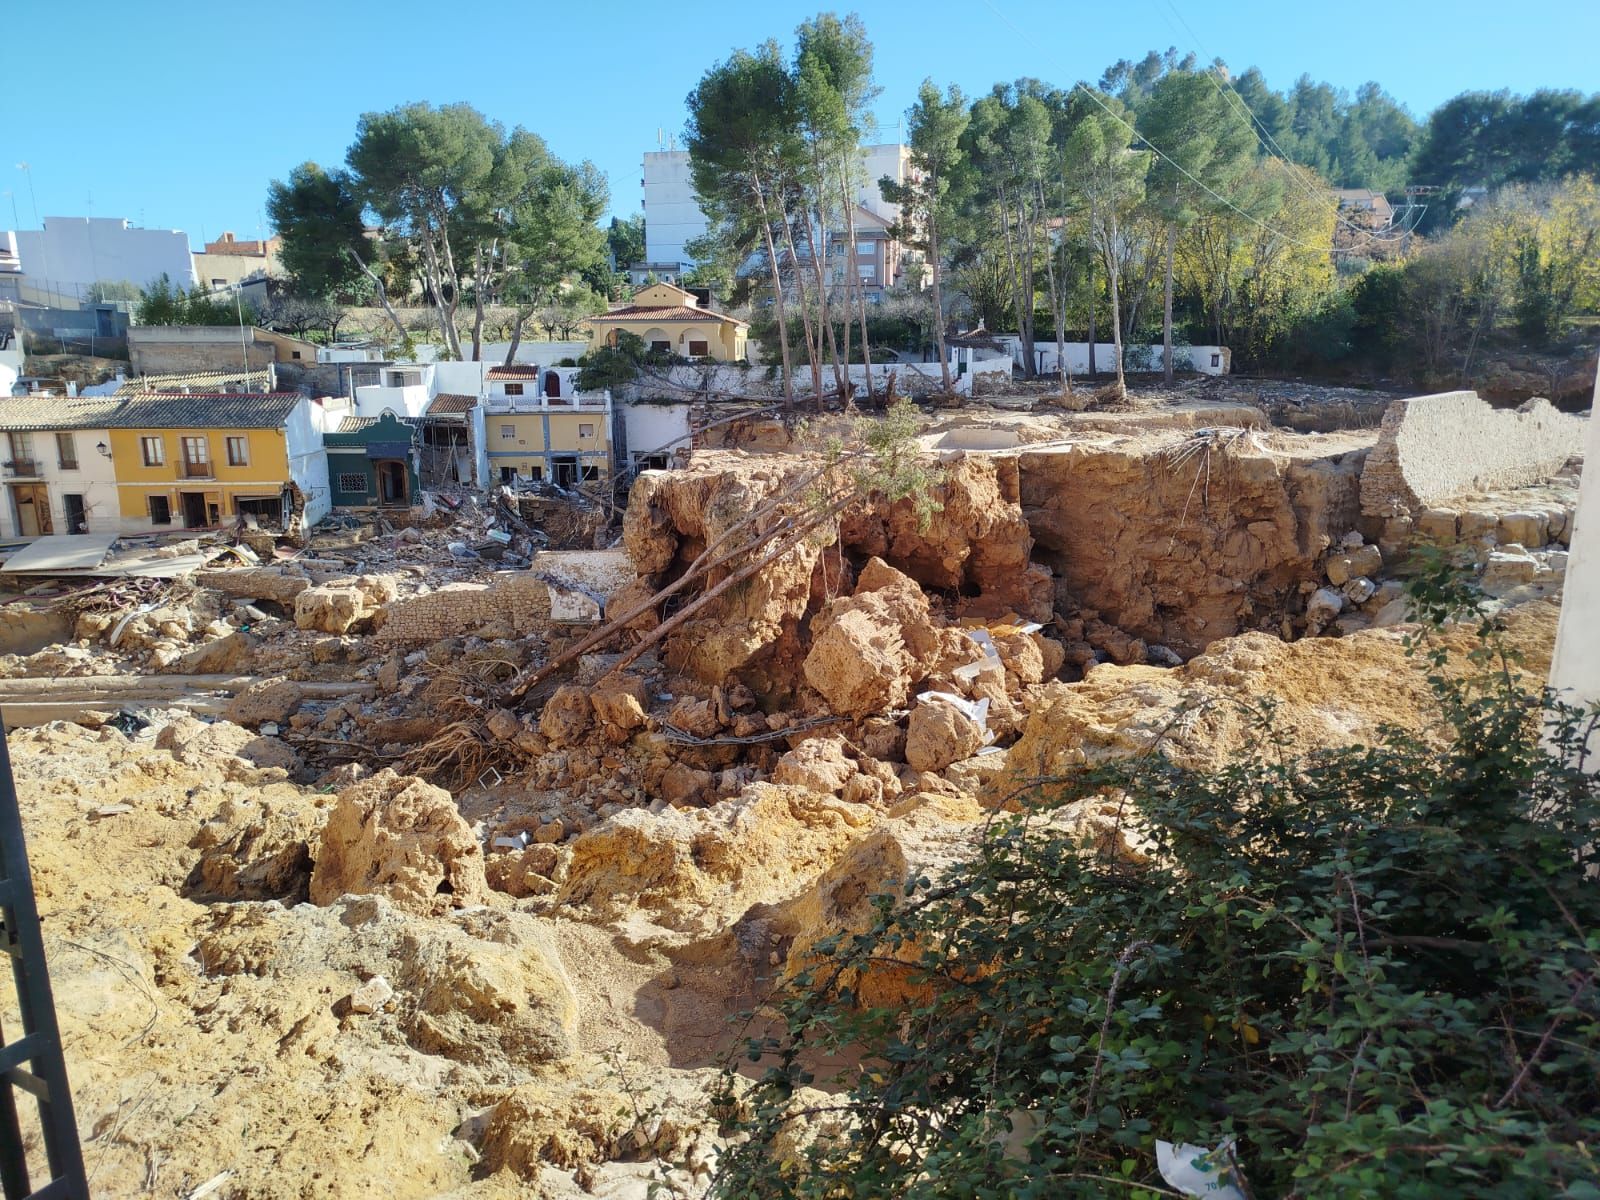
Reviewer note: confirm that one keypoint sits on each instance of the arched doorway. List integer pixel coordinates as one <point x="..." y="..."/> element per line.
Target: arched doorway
<point x="392" y="487"/>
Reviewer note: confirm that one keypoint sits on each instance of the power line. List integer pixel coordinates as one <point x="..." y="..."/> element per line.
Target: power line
<point x="1179" y="167"/>
<point x="1275" y="151"/>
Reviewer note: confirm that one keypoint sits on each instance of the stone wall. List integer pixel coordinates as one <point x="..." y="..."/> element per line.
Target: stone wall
<point x="510" y="604"/>
<point x="1435" y="448"/>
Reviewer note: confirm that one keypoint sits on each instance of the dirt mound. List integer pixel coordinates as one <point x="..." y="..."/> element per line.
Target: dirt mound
<point x="404" y="839"/>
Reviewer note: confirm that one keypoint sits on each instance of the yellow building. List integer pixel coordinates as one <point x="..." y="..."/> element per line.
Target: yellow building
<point x="193" y="461"/>
<point x="667" y="319"/>
<point x="538" y="428"/>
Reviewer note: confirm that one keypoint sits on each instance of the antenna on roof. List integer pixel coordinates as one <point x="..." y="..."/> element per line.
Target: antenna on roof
<point x="661" y="138"/>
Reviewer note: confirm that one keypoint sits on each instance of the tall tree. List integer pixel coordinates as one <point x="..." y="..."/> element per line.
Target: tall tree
<point x="326" y="247"/>
<point x="833" y="74"/>
<point x="934" y="125"/>
<point x="1109" y="184"/>
<point x="427" y="173"/>
<point x="1205" y="146"/>
<point x="742" y="141"/>
<point x="551" y="236"/>
<point x="625" y="241"/>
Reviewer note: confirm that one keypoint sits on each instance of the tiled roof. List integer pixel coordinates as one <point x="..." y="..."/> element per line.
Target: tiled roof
<point x="196" y="410"/>
<point x="446" y="403"/>
<point x="356" y="424"/>
<point x="515" y="371"/>
<point x="643" y="312"/>
<point x="206" y="381"/>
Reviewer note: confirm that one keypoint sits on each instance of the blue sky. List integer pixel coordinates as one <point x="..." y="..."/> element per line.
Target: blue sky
<point x="176" y="114"/>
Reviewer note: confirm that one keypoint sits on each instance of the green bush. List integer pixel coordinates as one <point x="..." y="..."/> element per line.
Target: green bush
<point x="1375" y="967"/>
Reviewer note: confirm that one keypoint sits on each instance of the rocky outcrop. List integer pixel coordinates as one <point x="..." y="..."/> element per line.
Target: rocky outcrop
<point x="1182" y="542"/>
<point x="401" y="838"/>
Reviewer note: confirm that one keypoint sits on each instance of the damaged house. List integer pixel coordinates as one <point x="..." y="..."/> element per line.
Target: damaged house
<point x="161" y="463"/>
<point x="372" y="462"/>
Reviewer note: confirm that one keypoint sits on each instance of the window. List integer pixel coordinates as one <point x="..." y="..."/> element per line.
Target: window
<point x="698" y="349"/>
<point x="869" y="271"/>
<point x="661" y="347"/>
<point x="866" y="249"/>
<point x="586" y="430"/>
<point x="507" y="432"/>
<point x="508" y="475"/>
<point x="22" y="453"/>
<point x="66" y="452"/>
<point x="353" y="483"/>
<point x="296" y="353"/>
<point x="160" y="511"/>
<point x="405" y="378"/>
<point x="196" y="458"/>
<point x="238" y="452"/>
<point x="1216" y="360"/>
<point x="513" y="389"/>
<point x="154" y="455"/>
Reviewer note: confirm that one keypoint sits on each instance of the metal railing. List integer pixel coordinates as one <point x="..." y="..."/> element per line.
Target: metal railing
<point x="20" y="467"/>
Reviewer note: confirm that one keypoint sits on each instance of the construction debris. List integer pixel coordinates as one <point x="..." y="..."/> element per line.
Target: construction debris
<point x="452" y="839"/>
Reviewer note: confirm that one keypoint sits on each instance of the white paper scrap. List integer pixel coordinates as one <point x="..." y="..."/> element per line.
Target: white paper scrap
<point x="1196" y="1171"/>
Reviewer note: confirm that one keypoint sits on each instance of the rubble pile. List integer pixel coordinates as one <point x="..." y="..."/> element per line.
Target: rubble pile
<point x="436" y="862"/>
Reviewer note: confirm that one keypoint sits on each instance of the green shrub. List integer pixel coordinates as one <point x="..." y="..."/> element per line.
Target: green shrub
<point x="1378" y="968"/>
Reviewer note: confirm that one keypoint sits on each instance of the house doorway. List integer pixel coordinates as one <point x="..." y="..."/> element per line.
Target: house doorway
<point x="564" y="470"/>
<point x="194" y="509"/>
<point x="552" y="385"/>
<point x="392" y="487"/>
<point x="32" y="503"/>
<point x="77" y="520"/>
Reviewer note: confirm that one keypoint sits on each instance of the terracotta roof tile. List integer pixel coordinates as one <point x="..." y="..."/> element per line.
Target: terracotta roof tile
<point x="448" y="403"/>
<point x="515" y="371"/>
<point x="644" y="312"/>
<point x="194" y="410"/>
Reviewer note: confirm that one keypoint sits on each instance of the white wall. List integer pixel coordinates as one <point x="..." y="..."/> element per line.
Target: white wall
<point x="94" y="479"/>
<point x="409" y="401"/>
<point x="461" y="378"/>
<point x="655" y="428"/>
<point x="348" y="354"/>
<point x="11" y="359"/>
<point x="1135" y="357"/>
<point x="480" y="447"/>
<point x="71" y="253"/>
<point x="308" y="461"/>
<point x="1575" y="669"/>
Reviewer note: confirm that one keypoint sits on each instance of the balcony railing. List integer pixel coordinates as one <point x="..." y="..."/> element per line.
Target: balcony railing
<point x="198" y="470"/>
<point x="22" y="468"/>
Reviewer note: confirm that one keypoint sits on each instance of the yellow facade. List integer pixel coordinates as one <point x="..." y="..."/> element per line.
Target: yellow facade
<point x="185" y="471"/>
<point x="551" y="444"/>
<point x="664" y="316"/>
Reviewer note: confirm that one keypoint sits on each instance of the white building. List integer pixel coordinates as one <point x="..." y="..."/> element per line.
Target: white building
<point x="672" y="215"/>
<point x="59" y="481"/>
<point x="62" y="261"/>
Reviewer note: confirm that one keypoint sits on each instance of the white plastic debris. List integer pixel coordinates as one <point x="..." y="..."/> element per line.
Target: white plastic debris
<point x="517" y="841"/>
<point x="1197" y="1171"/>
<point x="976" y="711"/>
<point x="990" y="657"/>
